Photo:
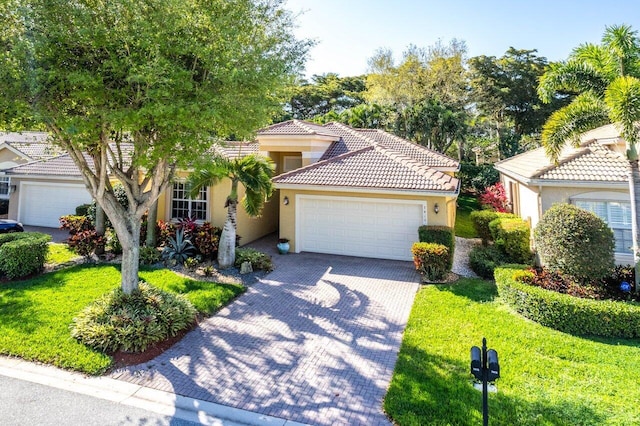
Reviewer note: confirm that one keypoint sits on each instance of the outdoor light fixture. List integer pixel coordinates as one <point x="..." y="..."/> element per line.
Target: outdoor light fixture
<point x="285" y="201"/>
<point x="436" y="208"/>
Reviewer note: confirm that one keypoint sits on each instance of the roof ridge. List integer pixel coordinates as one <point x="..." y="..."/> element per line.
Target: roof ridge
<point x="355" y="132"/>
<point x="320" y="163"/>
<point x="417" y="145"/>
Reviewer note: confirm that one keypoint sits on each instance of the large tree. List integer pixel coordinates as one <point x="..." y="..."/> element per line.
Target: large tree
<point x="134" y="89"/>
<point x="254" y="173"/>
<point x="606" y="78"/>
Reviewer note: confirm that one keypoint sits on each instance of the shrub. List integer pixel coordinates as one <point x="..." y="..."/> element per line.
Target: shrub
<point x="179" y="248"/>
<point x="83" y="210"/>
<point x="112" y="243"/>
<point x="75" y="224"/>
<point x="481" y="220"/>
<point x="495" y="198"/>
<point x="512" y="236"/>
<point x="121" y="196"/>
<point x="85" y="243"/>
<point x="149" y="255"/>
<point x="432" y="260"/>
<point x="567" y="313"/>
<point x="575" y="241"/>
<point x="258" y="259"/>
<point x="191" y="262"/>
<point x="476" y="178"/>
<point x="440" y="235"/>
<point x="483" y="260"/>
<point x="23" y="253"/>
<point x="206" y="238"/>
<point x="165" y="230"/>
<point x="132" y="323"/>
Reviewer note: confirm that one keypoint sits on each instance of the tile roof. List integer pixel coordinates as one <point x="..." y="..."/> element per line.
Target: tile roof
<point x="61" y="165"/>
<point x="372" y="167"/>
<point x="296" y="127"/>
<point x="34" y="145"/>
<point x="234" y="149"/>
<point x="589" y="162"/>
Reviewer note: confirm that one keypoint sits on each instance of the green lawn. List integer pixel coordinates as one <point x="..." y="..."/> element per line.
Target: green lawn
<point x="464" y="227"/>
<point x="548" y="377"/>
<point x="35" y="314"/>
<point x="60" y="253"/>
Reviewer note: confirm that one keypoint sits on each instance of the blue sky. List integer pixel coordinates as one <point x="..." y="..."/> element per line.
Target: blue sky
<point x="349" y="32"/>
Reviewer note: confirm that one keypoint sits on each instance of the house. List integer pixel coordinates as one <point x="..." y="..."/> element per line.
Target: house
<point x="340" y="190"/>
<point x="593" y="176"/>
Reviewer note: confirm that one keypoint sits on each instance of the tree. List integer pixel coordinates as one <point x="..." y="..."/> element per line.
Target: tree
<point x="254" y="172"/>
<point x="136" y="89"/>
<point x="425" y="94"/>
<point x="504" y="92"/>
<point x="606" y="78"/>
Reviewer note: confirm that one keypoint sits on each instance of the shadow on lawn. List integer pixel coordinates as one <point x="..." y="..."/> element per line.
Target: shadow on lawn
<point x="430" y="389"/>
<point x="281" y="348"/>
<point x="475" y="289"/>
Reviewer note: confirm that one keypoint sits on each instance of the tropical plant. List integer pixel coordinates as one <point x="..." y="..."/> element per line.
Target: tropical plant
<point x="178" y="248"/>
<point x="607" y="79"/>
<point x="254" y="172"/>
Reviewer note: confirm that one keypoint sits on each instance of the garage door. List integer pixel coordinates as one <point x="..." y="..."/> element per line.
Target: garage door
<point x="43" y="204"/>
<point x="363" y="227"/>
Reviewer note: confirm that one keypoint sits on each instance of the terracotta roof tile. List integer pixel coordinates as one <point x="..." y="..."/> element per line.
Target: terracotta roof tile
<point x="373" y="167"/>
<point x="34" y="145"/>
<point x="595" y="163"/>
<point x="296" y="127"/>
<point x="62" y="165"/>
<point x="234" y="149"/>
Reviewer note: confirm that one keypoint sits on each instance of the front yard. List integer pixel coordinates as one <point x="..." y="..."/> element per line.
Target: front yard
<point x="35" y="314"/>
<point x="548" y="377"/>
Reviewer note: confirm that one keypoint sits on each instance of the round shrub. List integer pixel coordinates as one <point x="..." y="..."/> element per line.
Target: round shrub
<point x="431" y="260"/>
<point x="132" y="323"/>
<point x="575" y="242"/>
<point x="23" y="253"/>
<point x="484" y="259"/>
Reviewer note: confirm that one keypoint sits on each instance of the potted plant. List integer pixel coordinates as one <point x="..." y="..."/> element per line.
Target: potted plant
<point x="283" y="245"/>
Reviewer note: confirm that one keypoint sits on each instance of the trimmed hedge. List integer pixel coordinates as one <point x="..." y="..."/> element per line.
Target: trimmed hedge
<point x="439" y="235"/>
<point x="566" y="313"/>
<point x="481" y="220"/>
<point x="23" y="253"/>
<point x="483" y="260"/>
<point x="512" y="237"/>
<point x="431" y="260"/>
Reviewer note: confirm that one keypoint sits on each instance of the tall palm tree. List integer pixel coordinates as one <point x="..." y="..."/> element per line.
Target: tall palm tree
<point x="254" y="172"/>
<point x="606" y="78"/>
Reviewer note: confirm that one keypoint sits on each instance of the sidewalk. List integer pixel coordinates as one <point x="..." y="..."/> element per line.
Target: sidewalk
<point x="165" y="403"/>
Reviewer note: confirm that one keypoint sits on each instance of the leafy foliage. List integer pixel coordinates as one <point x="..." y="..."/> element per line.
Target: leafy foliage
<point x="483" y="260"/>
<point x="512" y="236"/>
<point x="179" y="248"/>
<point x="440" y="235"/>
<point x="23" y="253"/>
<point x="476" y="178"/>
<point x="567" y="313"/>
<point x="132" y="323"/>
<point x="149" y="255"/>
<point x="431" y="260"/>
<point x="575" y="242"/>
<point x="481" y="220"/>
<point x="495" y="198"/>
<point x="206" y="238"/>
<point x="259" y="260"/>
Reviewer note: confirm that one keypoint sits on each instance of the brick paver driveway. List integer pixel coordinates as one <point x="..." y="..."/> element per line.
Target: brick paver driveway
<point x="315" y="341"/>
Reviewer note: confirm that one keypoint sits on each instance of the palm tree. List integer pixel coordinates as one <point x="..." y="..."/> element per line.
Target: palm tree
<point x="606" y="78"/>
<point x="254" y="172"/>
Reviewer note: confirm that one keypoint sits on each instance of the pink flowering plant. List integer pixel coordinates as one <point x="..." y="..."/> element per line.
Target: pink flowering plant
<point x="495" y="198"/>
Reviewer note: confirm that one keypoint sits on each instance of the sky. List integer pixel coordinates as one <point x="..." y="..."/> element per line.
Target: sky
<point x="348" y="32"/>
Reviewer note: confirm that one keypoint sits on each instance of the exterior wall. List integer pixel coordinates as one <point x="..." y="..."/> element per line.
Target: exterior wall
<point x="15" y="196"/>
<point x="446" y="215"/>
<point x="310" y="147"/>
<point x="9" y="158"/>
<point x="553" y="195"/>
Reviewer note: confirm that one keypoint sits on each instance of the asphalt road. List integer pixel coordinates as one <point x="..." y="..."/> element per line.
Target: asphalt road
<point x="26" y="403"/>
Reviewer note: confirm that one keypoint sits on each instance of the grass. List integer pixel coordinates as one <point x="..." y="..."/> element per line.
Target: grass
<point x="60" y="253"/>
<point x="35" y="314"/>
<point x="548" y="377"/>
<point x="464" y="227"/>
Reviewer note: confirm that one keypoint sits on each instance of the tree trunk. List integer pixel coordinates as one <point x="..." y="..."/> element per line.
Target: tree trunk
<point x="634" y="193"/>
<point x="129" y="236"/>
<point x="152" y="218"/>
<point x="227" y="245"/>
<point x="100" y="226"/>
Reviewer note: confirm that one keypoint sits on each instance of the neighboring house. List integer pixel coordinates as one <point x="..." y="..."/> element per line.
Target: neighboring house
<point x="341" y="190"/>
<point x="592" y="176"/>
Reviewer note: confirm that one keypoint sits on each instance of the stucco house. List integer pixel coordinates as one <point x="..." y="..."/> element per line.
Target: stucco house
<point x="592" y="176"/>
<point x="340" y="190"/>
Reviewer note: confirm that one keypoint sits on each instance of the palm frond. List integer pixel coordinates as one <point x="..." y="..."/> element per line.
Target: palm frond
<point x="624" y="44"/>
<point x="572" y="76"/>
<point x="565" y="125"/>
<point x="207" y="173"/>
<point x="623" y="100"/>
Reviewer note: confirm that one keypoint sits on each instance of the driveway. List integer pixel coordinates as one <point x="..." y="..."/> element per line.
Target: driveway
<point x="315" y="342"/>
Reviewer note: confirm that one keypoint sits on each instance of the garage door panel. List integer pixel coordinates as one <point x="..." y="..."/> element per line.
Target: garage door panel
<point x="369" y="228"/>
<point x="42" y="205"/>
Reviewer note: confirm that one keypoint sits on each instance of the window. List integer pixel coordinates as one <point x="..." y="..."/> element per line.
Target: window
<point x="184" y="207"/>
<point x="5" y="185"/>
<point x="291" y="162"/>
<point x="617" y="214"/>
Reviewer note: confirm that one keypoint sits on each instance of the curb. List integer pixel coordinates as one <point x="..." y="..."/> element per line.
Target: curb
<point x="161" y="402"/>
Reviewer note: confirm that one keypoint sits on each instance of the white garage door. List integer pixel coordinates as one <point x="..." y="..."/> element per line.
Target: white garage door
<point x="42" y="204"/>
<point x="365" y="227"/>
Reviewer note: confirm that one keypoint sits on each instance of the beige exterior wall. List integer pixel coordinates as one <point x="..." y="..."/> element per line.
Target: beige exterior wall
<point x="309" y="147"/>
<point x="446" y="215"/>
<point x="9" y="158"/>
